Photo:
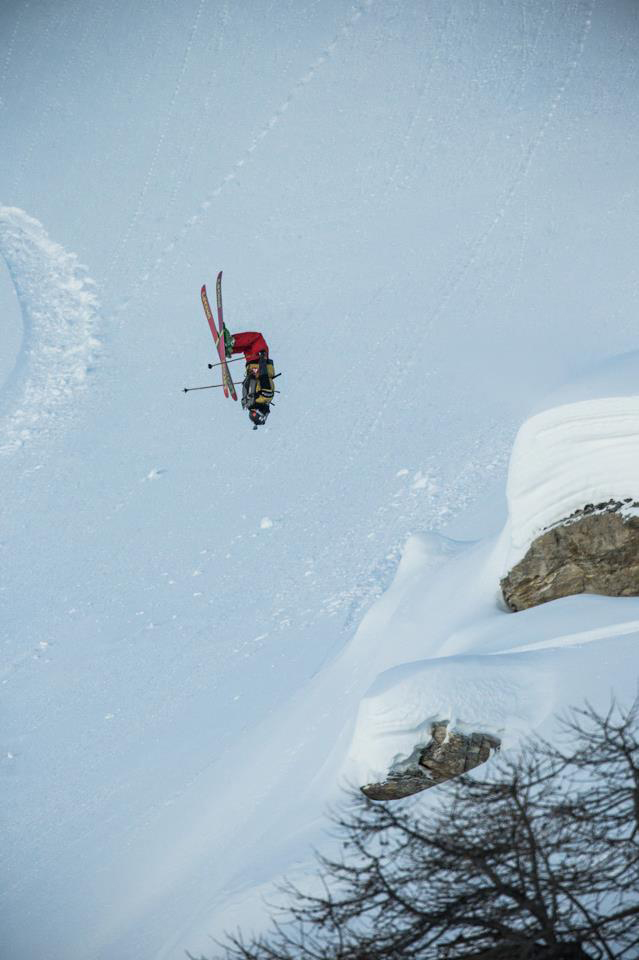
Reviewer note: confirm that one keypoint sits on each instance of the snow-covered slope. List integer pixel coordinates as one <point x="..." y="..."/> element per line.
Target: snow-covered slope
<point x="430" y="210"/>
<point x="469" y="660"/>
<point x="440" y="644"/>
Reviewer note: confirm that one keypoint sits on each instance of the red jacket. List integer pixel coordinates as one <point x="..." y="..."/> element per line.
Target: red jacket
<point x="250" y="344"/>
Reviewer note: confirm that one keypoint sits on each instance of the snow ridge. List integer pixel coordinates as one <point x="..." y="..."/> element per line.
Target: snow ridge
<point x="59" y="314"/>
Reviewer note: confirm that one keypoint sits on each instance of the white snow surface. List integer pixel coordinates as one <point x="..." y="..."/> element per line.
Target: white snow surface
<point x="430" y="210"/>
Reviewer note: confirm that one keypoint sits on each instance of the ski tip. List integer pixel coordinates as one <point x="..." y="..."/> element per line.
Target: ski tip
<point x="219" y="276"/>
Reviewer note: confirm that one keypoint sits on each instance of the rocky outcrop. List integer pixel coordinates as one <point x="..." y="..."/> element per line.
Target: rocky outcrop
<point x="448" y="753"/>
<point x="595" y="550"/>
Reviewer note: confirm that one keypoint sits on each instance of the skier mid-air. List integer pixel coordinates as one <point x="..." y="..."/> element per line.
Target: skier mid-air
<point x="258" y="387"/>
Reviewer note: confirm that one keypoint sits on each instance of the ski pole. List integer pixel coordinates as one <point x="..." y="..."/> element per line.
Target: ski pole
<point x="234" y="360"/>
<point x="212" y="386"/>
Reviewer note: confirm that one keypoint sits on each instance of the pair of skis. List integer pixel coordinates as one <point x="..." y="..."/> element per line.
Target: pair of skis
<point x="218" y="334"/>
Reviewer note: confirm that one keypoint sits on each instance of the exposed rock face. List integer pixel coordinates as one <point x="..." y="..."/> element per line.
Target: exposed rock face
<point x="448" y="754"/>
<point x="595" y="550"/>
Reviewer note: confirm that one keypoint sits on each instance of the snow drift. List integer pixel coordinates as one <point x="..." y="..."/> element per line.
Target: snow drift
<point x="60" y="318"/>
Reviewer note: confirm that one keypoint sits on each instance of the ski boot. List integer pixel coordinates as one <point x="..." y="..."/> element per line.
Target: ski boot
<point x="229" y="342"/>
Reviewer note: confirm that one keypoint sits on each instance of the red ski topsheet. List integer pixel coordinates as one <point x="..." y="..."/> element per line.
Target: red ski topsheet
<point x="229" y="388"/>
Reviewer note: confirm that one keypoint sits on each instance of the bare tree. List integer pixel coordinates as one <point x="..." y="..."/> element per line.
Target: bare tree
<point x="539" y="861"/>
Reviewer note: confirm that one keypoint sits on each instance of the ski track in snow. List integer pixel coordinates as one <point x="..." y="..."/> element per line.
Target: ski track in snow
<point x="426" y="154"/>
<point x="274" y="120"/>
<point x="54" y="85"/>
<point x="60" y="315"/>
<point x="521" y="173"/>
<point x="200" y="132"/>
<point x="158" y="147"/>
<point x="459" y="272"/>
<point x="7" y="59"/>
<point x="397" y="374"/>
<point x="417" y="112"/>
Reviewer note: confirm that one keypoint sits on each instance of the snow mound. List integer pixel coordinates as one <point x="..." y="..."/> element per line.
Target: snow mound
<point x="60" y="315"/>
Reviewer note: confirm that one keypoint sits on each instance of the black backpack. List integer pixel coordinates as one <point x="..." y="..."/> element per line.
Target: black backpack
<point x="259" y="386"/>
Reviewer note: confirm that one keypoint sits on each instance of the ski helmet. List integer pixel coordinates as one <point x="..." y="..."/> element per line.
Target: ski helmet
<point x="258" y="415"/>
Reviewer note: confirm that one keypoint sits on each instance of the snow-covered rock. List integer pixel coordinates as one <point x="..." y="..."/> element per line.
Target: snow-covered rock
<point x="568" y="457"/>
<point x="573" y="490"/>
<point x="447" y="754"/>
<point x="595" y="550"/>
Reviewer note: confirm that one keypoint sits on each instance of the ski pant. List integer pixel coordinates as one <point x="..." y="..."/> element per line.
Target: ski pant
<point x="250" y="344"/>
